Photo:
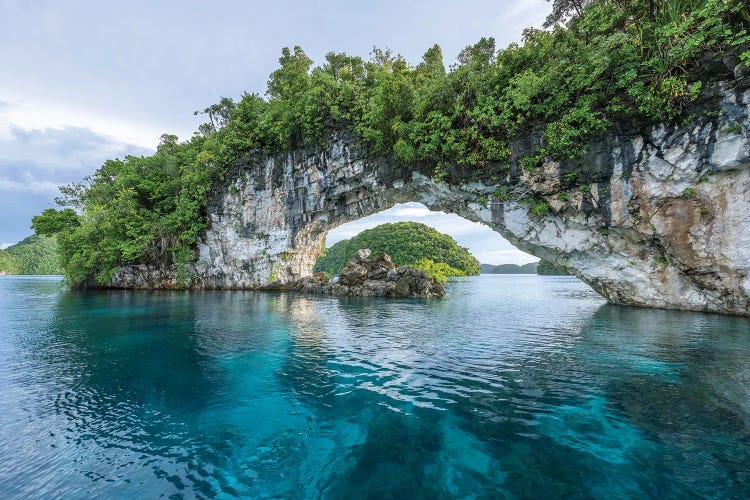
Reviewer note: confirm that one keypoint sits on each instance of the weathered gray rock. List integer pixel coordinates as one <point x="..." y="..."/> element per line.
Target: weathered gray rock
<point x="145" y="278"/>
<point x="353" y="276"/>
<point x="654" y="215"/>
<point x="363" y="276"/>
<point x="741" y="71"/>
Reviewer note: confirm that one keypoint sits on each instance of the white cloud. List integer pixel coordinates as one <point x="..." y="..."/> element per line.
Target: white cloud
<point x="3" y="246"/>
<point x="60" y="148"/>
<point x="26" y="114"/>
<point x="414" y="211"/>
<point x="512" y="256"/>
<point x="29" y="184"/>
<point x="457" y="226"/>
<point x="38" y="160"/>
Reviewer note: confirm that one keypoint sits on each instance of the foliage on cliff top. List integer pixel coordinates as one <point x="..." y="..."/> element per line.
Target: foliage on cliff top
<point x="33" y="255"/>
<point x="612" y="59"/>
<point x="408" y="243"/>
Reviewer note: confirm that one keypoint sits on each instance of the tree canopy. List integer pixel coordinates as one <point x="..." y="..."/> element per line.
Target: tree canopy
<point x="53" y="221"/>
<point x="33" y="255"/>
<point x="408" y="243"/>
<point x="601" y="61"/>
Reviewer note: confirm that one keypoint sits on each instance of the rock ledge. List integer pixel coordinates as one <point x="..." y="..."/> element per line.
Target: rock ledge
<point x="378" y="276"/>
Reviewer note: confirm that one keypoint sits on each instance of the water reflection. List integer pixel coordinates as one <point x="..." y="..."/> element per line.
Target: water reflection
<point x="304" y="371"/>
<point x="517" y="387"/>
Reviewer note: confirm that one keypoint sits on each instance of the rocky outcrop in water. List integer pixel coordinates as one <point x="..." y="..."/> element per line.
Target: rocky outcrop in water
<point x="653" y="215"/>
<point x="378" y="276"/>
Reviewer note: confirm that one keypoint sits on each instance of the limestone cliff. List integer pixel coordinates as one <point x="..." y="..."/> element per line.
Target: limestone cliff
<point x="655" y="215"/>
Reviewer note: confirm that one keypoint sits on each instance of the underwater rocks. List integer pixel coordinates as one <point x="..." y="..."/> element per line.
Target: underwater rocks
<point x="378" y="276"/>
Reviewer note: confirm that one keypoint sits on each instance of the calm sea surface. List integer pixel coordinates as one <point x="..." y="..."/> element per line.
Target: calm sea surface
<point x="515" y="386"/>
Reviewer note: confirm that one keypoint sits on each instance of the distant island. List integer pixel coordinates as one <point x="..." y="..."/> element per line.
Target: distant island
<point x="542" y="267"/>
<point x="33" y="255"/>
<point x="408" y="243"/>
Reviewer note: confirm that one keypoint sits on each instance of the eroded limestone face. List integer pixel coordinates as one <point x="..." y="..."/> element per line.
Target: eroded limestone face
<point x="656" y="217"/>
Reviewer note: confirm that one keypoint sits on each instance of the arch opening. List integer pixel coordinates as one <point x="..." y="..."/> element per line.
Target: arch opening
<point x="485" y="244"/>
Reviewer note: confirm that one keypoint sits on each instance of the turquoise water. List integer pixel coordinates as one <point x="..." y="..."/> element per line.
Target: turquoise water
<point x="515" y="386"/>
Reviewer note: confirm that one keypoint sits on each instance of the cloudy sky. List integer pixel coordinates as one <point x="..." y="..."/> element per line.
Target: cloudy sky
<point x="84" y="81"/>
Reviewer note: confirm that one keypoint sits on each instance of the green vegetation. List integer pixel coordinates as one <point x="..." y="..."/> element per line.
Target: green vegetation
<point x="548" y="269"/>
<point x="540" y="208"/>
<point x="34" y="255"/>
<point x="529" y="268"/>
<point x="734" y="128"/>
<point x="486" y="268"/>
<point x="439" y="271"/>
<point x="408" y="243"/>
<point x="688" y="193"/>
<point x="52" y="221"/>
<point x="542" y="267"/>
<point x="601" y="61"/>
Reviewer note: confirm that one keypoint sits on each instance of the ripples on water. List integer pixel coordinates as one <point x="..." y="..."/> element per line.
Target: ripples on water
<point x="515" y="386"/>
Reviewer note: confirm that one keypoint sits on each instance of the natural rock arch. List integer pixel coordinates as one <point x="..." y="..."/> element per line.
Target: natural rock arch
<point x="654" y="216"/>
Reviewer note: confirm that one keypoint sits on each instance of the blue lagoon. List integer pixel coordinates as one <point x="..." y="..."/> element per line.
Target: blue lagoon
<point x="515" y="386"/>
